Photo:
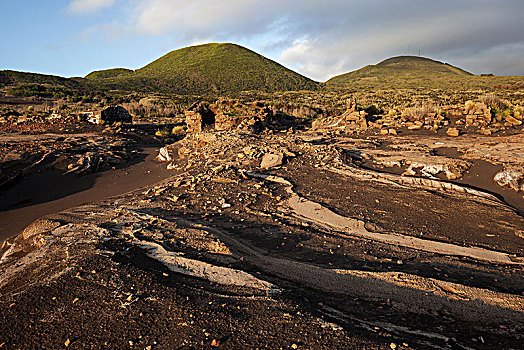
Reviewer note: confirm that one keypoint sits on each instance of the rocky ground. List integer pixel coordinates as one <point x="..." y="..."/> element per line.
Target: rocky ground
<point x="292" y="240"/>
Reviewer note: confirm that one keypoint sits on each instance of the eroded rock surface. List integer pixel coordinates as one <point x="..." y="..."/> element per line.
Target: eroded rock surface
<point x="349" y="243"/>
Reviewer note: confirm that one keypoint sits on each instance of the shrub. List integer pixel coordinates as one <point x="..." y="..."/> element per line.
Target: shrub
<point x="493" y="101"/>
<point x="373" y="110"/>
<point x="420" y="111"/>
<point x="163" y="133"/>
<point x="179" y="130"/>
<point x="519" y="112"/>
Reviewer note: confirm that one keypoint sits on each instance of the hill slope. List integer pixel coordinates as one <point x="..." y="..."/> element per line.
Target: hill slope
<point x="10" y="77"/>
<point x="39" y="85"/>
<point x="108" y="73"/>
<point x="402" y="71"/>
<point x="218" y="68"/>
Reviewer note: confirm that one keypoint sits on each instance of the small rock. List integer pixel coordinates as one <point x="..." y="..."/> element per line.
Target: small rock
<point x="513" y="121"/>
<point x="271" y="160"/>
<point x="452" y="132"/>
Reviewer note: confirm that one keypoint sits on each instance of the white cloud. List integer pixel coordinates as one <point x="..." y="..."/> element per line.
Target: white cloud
<point x="297" y="50"/>
<point x="79" y="7"/>
<point x="301" y="56"/>
<point x="336" y="36"/>
<point x="202" y="17"/>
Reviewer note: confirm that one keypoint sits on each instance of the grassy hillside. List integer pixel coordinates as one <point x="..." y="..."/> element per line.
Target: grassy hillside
<point x="210" y="68"/>
<point x="9" y="77"/>
<point x="108" y="73"/>
<point x="39" y="85"/>
<point x="402" y="72"/>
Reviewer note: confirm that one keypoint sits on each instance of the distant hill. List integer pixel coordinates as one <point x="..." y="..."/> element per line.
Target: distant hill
<point x="10" y="77"/>
<point x="108" y="73"/>
<point x="39" y="85"/>
<point x="209" y="68"/>
<point x="223" y="69"/>
<point x="399" y="72"/>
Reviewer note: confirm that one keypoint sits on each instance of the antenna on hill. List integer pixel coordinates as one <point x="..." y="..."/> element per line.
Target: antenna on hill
<point x="408" y="49"/>
<point x="418" y="52"/>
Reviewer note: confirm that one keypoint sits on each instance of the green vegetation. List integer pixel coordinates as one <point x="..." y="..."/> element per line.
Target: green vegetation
<point x="163" y="133"/>
<point x="108" y="73"/>
<point x="211" y="68"/>
<point x="401" y="72"/>
<point x="179" y="130"/>
<point x="14" y="77"/>
<point x="28" y="90"/>
<point x="162" y="90"/>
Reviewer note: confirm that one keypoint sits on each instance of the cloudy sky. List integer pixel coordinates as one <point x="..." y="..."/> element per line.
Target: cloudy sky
<point x="316" y="38"/>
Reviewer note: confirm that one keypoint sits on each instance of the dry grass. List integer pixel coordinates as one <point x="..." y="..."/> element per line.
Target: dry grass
<point x="493" y="101"/>
<point x="420" y="111"/>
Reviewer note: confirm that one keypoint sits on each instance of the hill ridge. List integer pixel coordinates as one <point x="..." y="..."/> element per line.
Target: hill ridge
<point x="213" y="67"/>
<point x="409" y="70"/>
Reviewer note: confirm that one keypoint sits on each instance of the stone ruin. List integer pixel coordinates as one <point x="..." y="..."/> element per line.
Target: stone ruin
<point x="226" y="114"/>
<point x="199" y="117"/>
<point x="351" y="120"/>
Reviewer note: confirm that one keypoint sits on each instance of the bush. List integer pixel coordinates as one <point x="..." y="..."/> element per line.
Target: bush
<point x="518" y="112"/>
<point x="163" y="133"/>
<point x="493" y="101"/>
<point x="420" y="111"/>
<point x="373" y="110"/>
<point x="179" y="130"/>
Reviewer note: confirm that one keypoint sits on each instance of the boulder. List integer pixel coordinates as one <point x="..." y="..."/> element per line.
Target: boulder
<point x="117" y="114"/>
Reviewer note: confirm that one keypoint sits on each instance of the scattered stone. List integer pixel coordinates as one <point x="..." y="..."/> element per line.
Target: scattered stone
<point x="511" y="178"/>
<point x="486" y="132"/>
<point x="512" y="121"/>
<point x="271" y="160"/>
<point x="453" y="132"/>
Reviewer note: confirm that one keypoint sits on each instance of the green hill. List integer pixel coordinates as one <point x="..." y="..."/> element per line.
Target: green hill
<point x="40" y="85"/>
<point x="401" y="72"/>
<point x="108" y="73"/>
<point x="10" y="77"/>
<point x="209" y="68"/>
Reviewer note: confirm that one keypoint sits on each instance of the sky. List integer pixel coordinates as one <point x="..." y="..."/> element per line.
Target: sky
<point x="319" y="39"/>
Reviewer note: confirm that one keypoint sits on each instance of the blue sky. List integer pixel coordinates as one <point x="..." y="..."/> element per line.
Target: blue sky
<point x="316" y="38"/>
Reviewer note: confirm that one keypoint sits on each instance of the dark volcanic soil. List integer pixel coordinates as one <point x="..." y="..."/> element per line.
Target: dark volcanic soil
<point x="228" y="255"/>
